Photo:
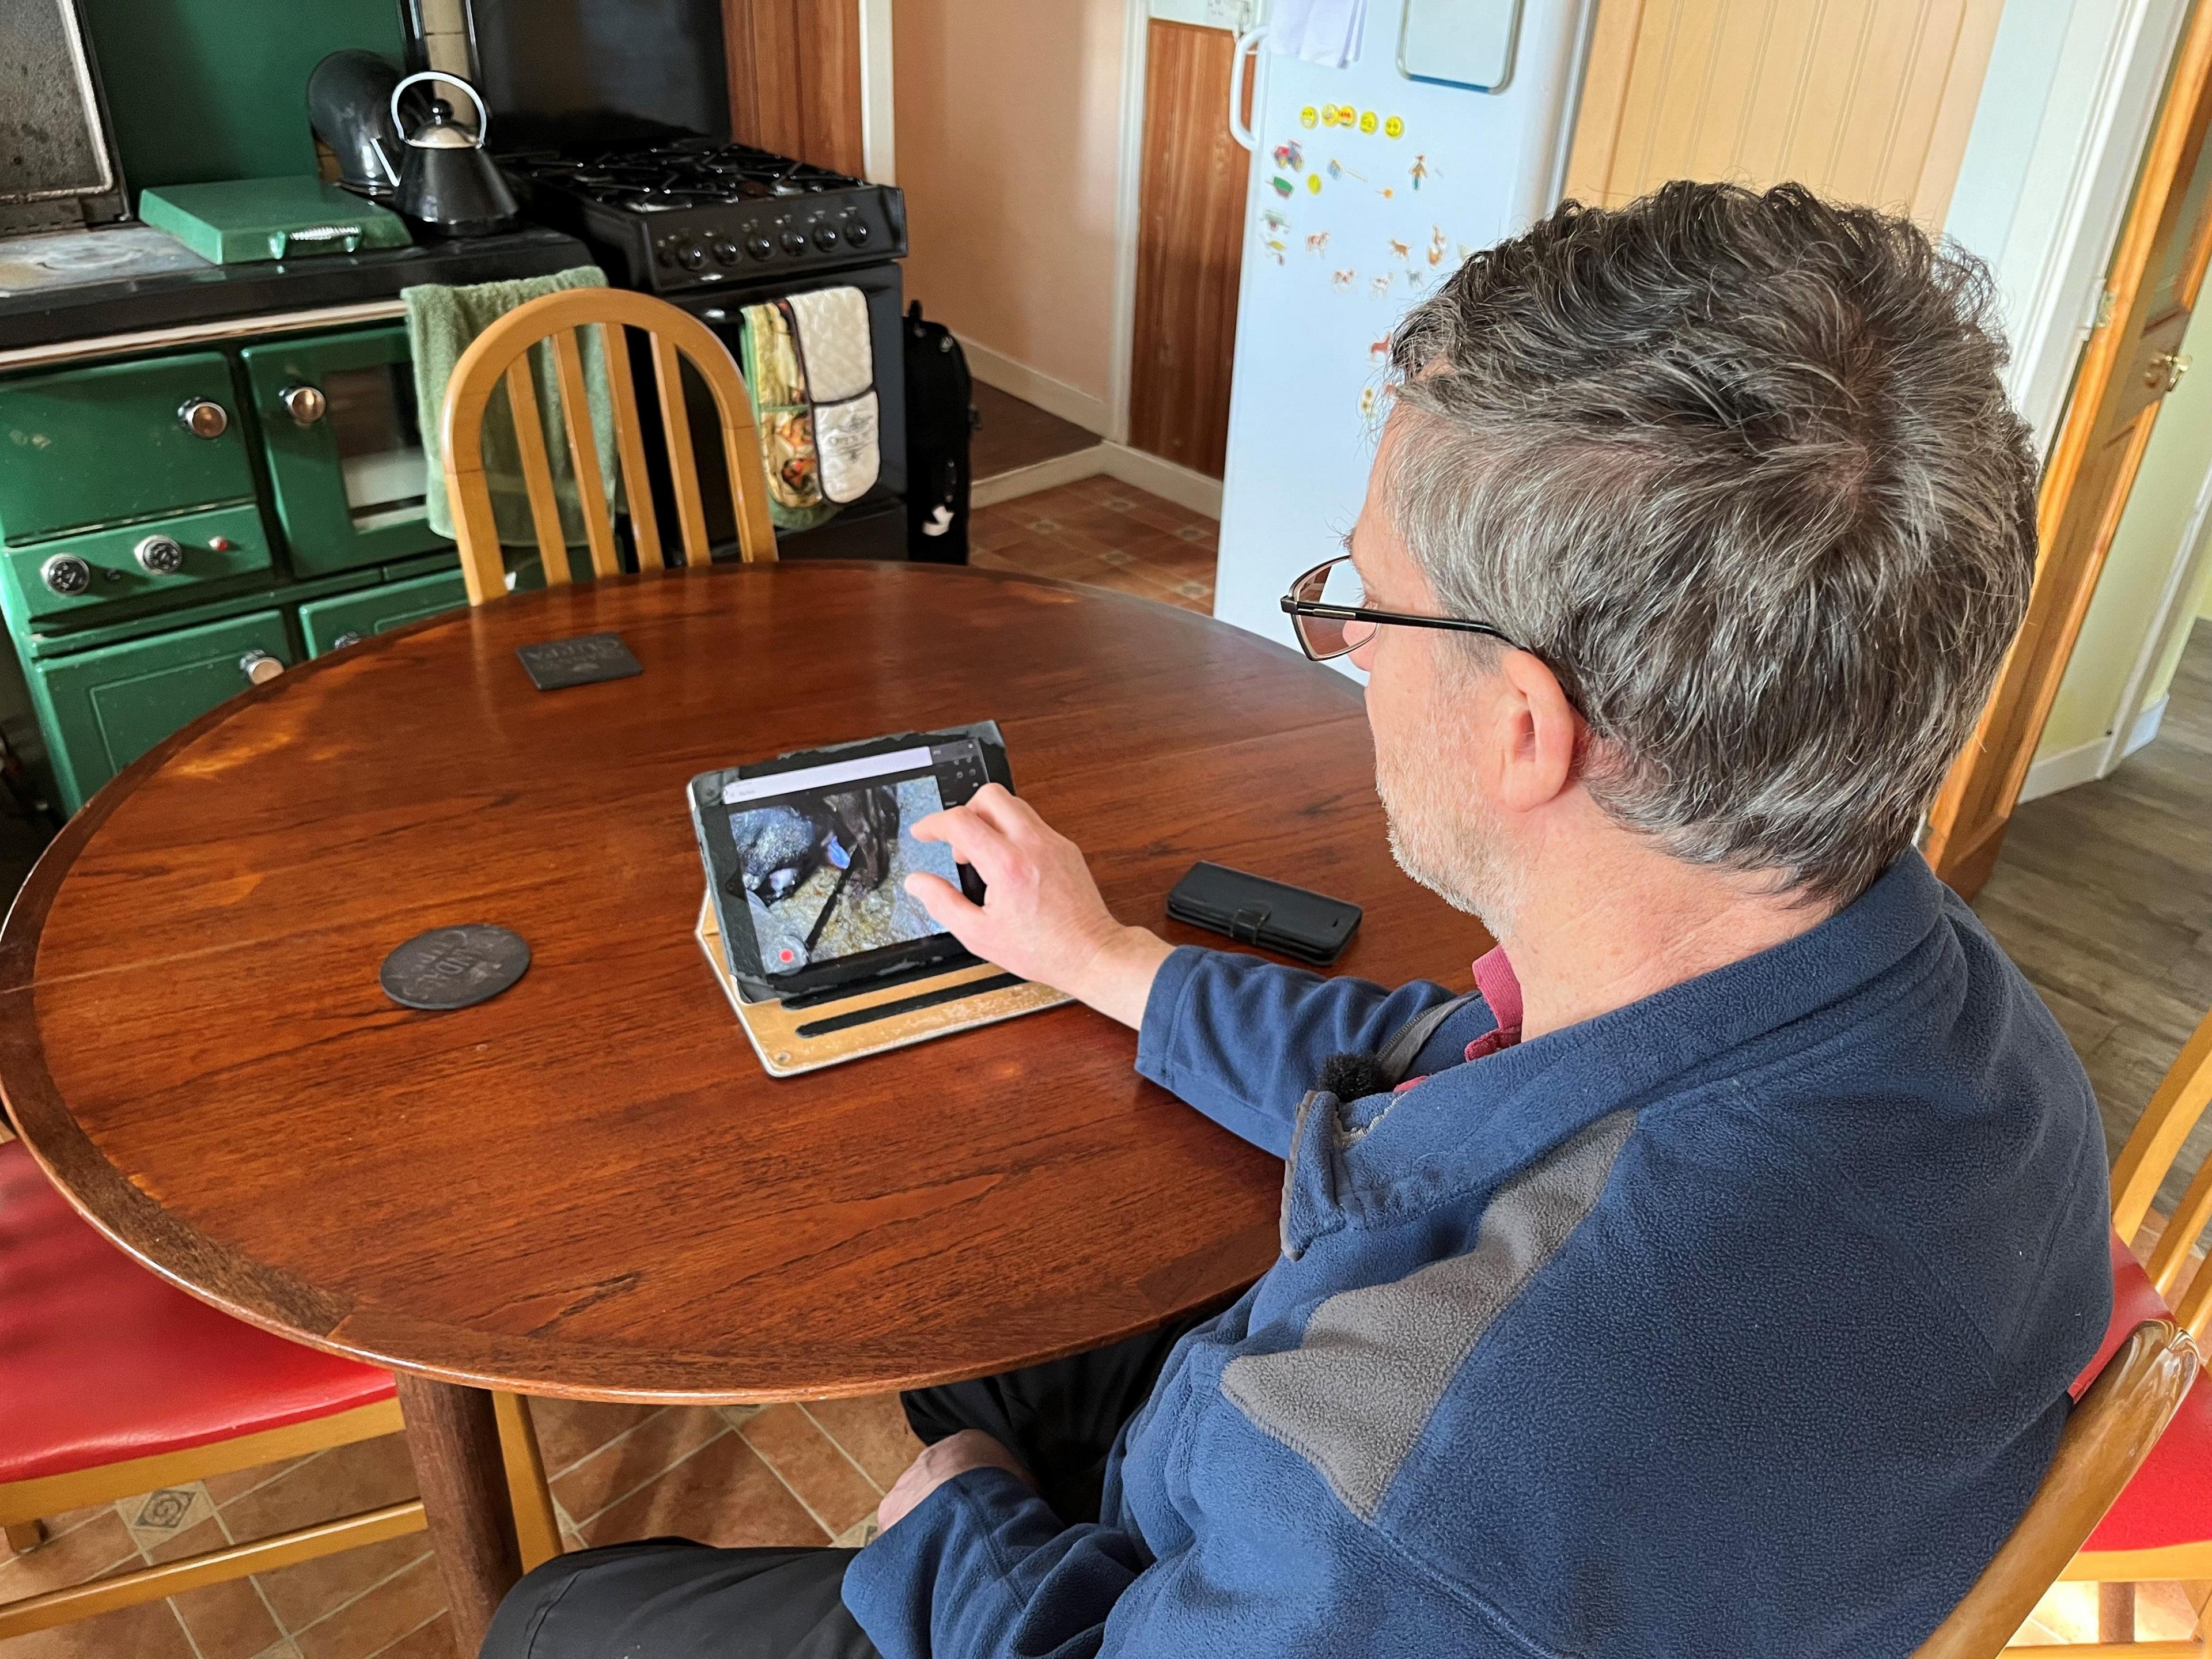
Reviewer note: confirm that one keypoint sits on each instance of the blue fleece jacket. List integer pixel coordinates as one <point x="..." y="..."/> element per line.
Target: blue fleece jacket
<point x="1737" y="1321"/>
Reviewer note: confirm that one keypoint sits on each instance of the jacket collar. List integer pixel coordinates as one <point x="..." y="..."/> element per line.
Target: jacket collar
<point x="1464" y="1129"/>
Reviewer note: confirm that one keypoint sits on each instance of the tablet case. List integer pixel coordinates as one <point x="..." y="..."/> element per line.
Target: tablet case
<point x="870" y="1021"/>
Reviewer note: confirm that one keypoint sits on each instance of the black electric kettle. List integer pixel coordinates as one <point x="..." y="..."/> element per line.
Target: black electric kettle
<point x="445" y="183"/>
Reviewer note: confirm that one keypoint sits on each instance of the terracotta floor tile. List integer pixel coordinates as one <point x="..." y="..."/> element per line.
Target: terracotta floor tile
<point x="374" y="1620"/>
<point x="622" y="1466"/>
<point x="1159" y="514"/>
<point x="149" y="1631"/>
<point x="873" y="1432"/>
<point x="79" y="1554"/>
<point x="303" y="1594"/>
<point x="722" y="1494"/>
<point x="344" y="1480"/>
<point x="224" y="1487"/>
<point x="569" y="1431"/>
<point x="229" y="1621"/>
<point x="203" y="1534"/>
<point x="826" y="1480"/>
<point x="432" y="1641"/>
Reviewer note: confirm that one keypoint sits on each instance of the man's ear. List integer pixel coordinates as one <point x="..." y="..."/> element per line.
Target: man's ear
<point x="1541" y="731"/>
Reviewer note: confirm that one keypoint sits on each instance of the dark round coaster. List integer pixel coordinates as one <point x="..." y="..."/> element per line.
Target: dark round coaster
<point x="454" y="967"/>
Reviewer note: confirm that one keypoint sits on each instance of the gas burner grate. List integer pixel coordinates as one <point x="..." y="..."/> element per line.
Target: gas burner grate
<point x="658" y="177"/>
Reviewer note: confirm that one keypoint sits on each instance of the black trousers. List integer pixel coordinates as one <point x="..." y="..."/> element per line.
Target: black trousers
<point x="668" y="1598"/>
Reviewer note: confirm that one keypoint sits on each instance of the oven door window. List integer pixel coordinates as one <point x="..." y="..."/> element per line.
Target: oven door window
<point x="339" y="426"/>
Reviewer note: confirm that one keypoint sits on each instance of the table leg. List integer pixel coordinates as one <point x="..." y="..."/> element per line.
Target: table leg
<point x="452" y="1436"/>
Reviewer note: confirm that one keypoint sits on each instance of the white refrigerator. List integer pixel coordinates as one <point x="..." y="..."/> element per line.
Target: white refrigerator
<point x="1370" y="185"/>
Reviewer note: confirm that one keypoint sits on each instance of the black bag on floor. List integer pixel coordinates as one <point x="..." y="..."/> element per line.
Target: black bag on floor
<point x="941" y="420"/>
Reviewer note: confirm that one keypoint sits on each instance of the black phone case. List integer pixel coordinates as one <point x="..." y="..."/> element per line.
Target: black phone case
<point x="1253" y="910"/>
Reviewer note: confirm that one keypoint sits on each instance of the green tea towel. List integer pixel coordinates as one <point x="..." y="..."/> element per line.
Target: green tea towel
<point x="441" y="322"/>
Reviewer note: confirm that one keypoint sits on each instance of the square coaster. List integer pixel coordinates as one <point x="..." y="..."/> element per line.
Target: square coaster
<point x="580" y="661"/>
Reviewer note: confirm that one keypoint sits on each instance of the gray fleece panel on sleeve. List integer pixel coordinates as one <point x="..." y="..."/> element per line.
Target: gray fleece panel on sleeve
<point x="1353" y="1397"/>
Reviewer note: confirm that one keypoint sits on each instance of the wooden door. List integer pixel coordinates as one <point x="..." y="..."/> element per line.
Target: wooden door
<point x="1863" y="100"/>
<point x="795" y="78"/>
<point x="2127" y="368"/>
<point x="1190" y="242"/>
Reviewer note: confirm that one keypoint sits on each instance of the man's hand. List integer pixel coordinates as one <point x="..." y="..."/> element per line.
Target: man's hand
<point x="970" y="1448"/>
<point x="1041" y="916"/>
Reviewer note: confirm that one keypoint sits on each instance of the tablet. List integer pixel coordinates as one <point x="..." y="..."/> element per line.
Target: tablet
<point x="807" y="855"/>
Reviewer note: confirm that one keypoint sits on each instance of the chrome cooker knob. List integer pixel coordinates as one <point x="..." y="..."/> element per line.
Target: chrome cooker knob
<point x="304" y="403"/>
<point x="794" y="241"/>
<point x="259" y="667"/>
<point x="66" y="574"/>
<point x="727" y="252"/>
<point x="857" y="232"/>
<point x="825" y="237"/>
<point x="161" y="556"/>
<point x="759" y="245"/>
<point x="203" y="418"/>
<point x="691" y="255"/>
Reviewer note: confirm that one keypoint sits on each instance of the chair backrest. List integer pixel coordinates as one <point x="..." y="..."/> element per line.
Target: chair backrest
<point x="2105" y="1439"/>
<point x="500" y="356"/>
<point x="2143" y="1167"/>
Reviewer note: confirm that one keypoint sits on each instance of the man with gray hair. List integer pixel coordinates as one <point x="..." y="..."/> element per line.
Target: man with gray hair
<point x="1713" y="1281"/>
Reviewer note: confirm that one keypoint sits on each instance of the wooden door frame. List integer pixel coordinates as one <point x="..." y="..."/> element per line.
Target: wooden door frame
<point x="1963" y="854"/>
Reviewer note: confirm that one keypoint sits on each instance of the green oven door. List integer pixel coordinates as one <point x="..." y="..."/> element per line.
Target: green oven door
<point x="102" y="709"/>
<point x="334" y="623"/>
<point x="337" y="413"/>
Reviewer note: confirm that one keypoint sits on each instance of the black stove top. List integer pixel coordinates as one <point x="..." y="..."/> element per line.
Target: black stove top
<point x="694" y="211"/>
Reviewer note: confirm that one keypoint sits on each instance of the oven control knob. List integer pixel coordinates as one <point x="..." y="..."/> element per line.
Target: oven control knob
<point x="203" y="418"/>
<point x="857" y="233"/>
<point x="304" y="404"/>
<point x="726" y="252"/>
<point x="759" y="245"/>
<point x="259" y="667"/>
<point x="794" y="241"/>
<point x="691" y="255"/>
<point x="825" y="237"/>
<point x="65" y="572"/>
<point x="161" y="555"/>
<point x="351" y="637"/>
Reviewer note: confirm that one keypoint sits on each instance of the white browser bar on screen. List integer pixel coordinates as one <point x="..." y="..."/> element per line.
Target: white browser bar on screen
<point x="809" y="779"/>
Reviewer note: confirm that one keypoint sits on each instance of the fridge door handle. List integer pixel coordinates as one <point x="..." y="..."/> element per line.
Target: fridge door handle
<point x="1246" y="43"/>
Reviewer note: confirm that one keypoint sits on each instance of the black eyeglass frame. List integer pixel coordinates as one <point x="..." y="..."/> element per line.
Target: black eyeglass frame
<point x="1295" y="608"/>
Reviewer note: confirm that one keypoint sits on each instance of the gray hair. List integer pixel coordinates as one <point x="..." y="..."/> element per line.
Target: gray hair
<point x="1739" y="468"/>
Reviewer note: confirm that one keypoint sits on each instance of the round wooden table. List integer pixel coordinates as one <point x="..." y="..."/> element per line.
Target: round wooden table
<point x="588" y="1187"/>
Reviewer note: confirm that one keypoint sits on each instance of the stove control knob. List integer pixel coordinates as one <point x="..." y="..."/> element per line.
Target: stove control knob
<point x="351" y="637"/>
<point x="857" y="233"/>
<point x="794" y="241"/>
<point x="203" y="418"/>
<point x="825" y="237"/>
<point x="65" y="572"/>
<point x="304" y="404"/>
<point x="259" y="667"/>
<point x="759" y="245"/>
<point x="690" y="254"/>
<point x="726" y="252"/>
<point x="161" y="556"/>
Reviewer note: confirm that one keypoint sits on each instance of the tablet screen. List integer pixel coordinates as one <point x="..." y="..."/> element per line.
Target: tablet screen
<point x="809" y="856"/>
<point x="824" y="866"/>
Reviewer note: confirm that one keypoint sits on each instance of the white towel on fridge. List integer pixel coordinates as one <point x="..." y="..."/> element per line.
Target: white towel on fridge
<point x="1324" y="32"/>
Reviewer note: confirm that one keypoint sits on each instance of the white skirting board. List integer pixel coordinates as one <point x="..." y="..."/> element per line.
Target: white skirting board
<point x="1193" y="491"/>
<point x="1086" y="408"/>
<point x="2078" y="765"/>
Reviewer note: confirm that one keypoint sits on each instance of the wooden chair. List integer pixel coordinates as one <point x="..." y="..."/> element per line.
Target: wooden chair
<point x="2117" y="1509"/>
<point x="501" y="354"/>
<point x="115" y="1383"/>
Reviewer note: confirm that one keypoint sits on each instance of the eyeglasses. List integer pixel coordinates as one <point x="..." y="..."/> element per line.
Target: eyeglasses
<point x="1325" y="612"/>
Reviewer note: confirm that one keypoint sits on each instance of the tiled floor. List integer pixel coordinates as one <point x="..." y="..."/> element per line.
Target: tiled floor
<point x="1101" y="532"/>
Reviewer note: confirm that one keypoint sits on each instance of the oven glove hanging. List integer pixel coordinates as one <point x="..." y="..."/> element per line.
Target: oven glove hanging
<point x="776" y="384"/>
<point x="829" y="329"/>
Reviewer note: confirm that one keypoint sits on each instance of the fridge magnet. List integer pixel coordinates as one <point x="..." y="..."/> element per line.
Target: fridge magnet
<point x="1341" y="281"/>
<point x="1283" y="187"/>
<point x="1386" y="193"/>
<point x="1309" y="115"/>
<point x="1415" y="278"/>
<point x="1275" y="249"/>
<point x="1436" y="245"/>
<point x="1367" y="403"/>
<point x="1317" y="243"/>
<point x="1393" y="128"/>
<point x="1275" y="221"/>
<point x="1367" y="122"/>
<point x="1401" y="249"/>
<point x="1420" y="170"/>
<point x="1289" y="156"/>
<point x="1328" y="115"/>
<point x="1313" y="184"/>
<point x="1379" y="351"/>
<point x="1380" y="287"/>
<point x="1338" y="170"/>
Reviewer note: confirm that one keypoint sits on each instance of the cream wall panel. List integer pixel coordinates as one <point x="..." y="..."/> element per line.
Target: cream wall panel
<point x="1866" y="100"/>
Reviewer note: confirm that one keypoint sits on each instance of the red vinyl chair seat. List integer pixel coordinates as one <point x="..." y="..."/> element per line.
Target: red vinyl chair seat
<point x="100" y="1361"/>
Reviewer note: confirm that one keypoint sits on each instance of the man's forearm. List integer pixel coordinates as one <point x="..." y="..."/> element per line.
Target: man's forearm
<point x="1118" y="978"/>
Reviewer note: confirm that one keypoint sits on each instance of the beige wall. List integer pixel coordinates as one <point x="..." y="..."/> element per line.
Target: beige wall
<point x="1009" y="124"/>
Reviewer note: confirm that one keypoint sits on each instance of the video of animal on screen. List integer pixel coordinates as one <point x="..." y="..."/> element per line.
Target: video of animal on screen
<point x="825" y="876"/>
